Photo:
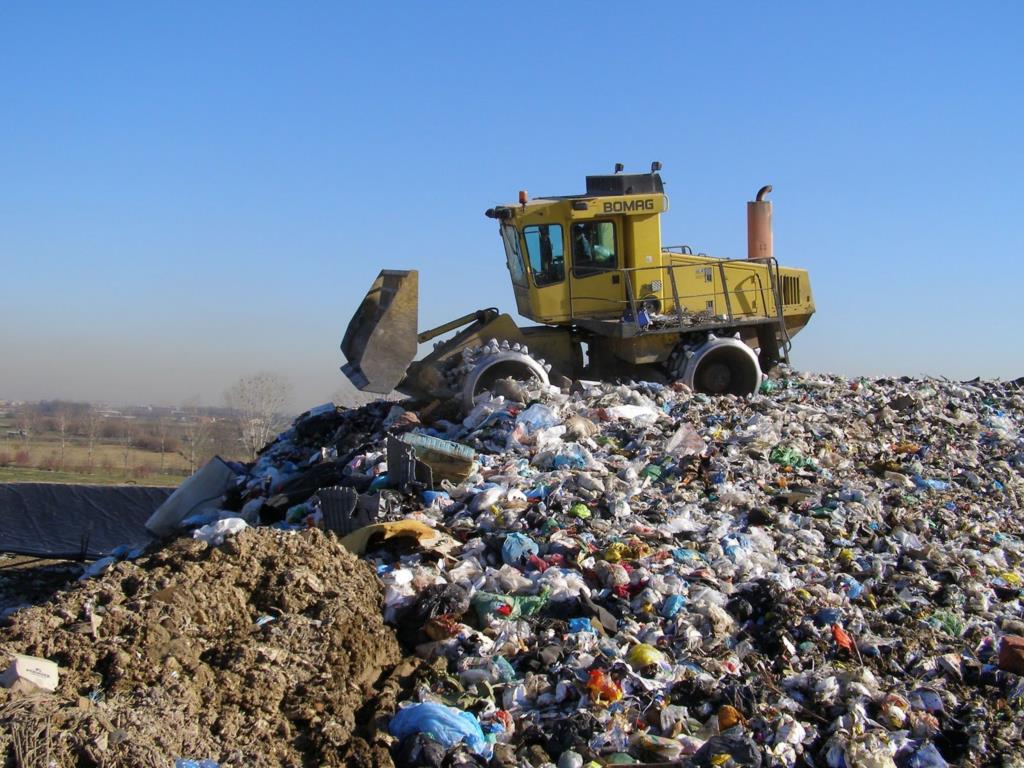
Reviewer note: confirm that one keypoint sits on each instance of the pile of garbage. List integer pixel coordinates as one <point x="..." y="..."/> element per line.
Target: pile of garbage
<point x="826" y="573"/>
<point x="259" y="652"/>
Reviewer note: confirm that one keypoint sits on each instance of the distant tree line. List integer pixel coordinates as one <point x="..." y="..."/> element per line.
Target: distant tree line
<point x="255" y="411"/>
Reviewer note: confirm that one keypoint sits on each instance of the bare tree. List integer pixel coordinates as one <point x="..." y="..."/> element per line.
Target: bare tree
<point x="224" y="440"/>
<point x="93" y="420"/>
<point x="62" y="430"/>
<point x="260" y="401"/>
<point x="163" y="430"/>
<point x="127" y="435"/>
<point x="26" y="423"/>
<point x="195" y="436"/>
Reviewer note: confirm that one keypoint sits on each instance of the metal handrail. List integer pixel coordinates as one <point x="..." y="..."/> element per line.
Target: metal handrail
<point x="632" y="299"/>
<point x="678" y="260"/>
<point x="787" y="342"/>
<point x="723" y="290"/>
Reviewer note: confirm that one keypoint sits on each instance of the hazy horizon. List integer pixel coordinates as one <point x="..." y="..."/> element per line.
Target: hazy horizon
<point x="192" y="194"/>
<point x="346" y="389"/>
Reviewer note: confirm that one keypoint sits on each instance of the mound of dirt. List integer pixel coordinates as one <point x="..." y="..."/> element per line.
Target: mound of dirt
<point x="259" y="652"/>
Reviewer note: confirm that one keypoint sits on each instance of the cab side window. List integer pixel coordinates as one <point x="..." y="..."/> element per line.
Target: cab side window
<point x="516" y="268"/>
<point x="593" y="248"/>
<point x="547" y="253"/>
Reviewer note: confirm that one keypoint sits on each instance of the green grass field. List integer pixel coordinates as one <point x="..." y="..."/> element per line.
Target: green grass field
<point x="139" y="447"/>
<point x="38" y="461"/>
<point x="28" y="475"/>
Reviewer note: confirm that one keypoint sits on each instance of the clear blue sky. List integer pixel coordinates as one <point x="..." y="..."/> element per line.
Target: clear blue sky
<point x="190" y="192"/>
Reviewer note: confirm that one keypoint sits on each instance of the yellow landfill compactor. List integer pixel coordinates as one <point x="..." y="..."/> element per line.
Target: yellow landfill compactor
<point x="612" y="303"/>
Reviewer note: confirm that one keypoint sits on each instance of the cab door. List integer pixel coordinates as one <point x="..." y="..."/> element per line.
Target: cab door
<point x="596" y="280"/>
<point x="545" y="254"/>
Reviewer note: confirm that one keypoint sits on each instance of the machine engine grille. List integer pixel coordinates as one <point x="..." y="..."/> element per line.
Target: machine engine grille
<point x="790" y="290"/>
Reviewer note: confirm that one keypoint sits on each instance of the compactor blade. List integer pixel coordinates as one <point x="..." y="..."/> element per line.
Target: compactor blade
<point x="380" y="340"/>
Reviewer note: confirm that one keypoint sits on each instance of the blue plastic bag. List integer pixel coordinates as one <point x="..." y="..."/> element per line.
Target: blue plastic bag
<point x="854" y="588"/>
<point x="673" y="604"/>
<point x="570" y="456"/>
<point x="429" y="497"/>
<point x="930" y="484"/>
<point x="518" y="548"/>
<point x="445" y="725"/>
<point x="582" y="625"/>
<point x="927" y="756"/>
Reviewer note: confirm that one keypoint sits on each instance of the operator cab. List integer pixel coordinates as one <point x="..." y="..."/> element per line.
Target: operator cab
<point x="572" y="257"/>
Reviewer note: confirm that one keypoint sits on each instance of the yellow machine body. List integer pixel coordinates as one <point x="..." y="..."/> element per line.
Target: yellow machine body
<point x="612" y="301"/>
<point x="639" y="273"/>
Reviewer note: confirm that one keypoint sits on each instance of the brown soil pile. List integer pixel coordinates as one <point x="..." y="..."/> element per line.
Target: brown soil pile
<point x="257" y="653"/>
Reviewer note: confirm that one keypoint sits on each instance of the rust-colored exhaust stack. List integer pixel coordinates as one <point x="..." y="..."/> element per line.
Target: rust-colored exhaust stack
<point x="759" y="225"/>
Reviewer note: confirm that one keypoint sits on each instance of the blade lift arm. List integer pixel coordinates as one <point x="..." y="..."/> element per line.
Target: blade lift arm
<point x="481" y="316"/>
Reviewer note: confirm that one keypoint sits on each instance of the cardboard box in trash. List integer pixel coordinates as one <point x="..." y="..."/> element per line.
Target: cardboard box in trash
<point x="30" y="672"/>
<point x="447" y="460"/>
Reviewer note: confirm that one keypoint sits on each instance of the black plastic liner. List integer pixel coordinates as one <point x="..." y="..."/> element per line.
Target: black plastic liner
<point x="70" y="521"/>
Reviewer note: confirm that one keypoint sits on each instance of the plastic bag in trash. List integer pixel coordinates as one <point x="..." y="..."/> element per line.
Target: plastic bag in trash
<point x="446" y="725"/>
<point x="436" y="600"/>
<point x="537" y="417"/>
<point x="215" y="533"/>
<point x="742" y="750"/>
<point x="518" y="548"/>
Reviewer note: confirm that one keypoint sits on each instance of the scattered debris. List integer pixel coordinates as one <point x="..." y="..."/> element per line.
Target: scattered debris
<point x="826" y="573"/>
